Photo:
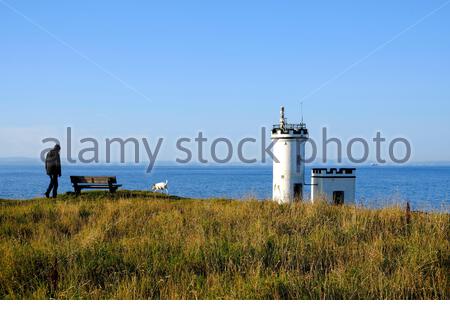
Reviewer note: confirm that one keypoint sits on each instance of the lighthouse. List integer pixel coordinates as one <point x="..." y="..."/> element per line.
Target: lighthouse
<point x="289" y="164"/>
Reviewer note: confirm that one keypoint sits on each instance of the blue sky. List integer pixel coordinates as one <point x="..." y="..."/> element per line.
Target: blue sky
<point x="172" y="68"/>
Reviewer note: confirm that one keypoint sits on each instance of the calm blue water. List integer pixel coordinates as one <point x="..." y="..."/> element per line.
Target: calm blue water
<point x="426" y="187"/>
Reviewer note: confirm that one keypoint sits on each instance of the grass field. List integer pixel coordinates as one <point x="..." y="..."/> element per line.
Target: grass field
<point x="139" y="246"/>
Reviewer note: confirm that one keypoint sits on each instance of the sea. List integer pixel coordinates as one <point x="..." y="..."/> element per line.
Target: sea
<point x="426" y="187"/>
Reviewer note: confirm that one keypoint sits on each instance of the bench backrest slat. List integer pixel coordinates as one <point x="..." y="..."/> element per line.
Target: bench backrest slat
<point x="93" y="180"/>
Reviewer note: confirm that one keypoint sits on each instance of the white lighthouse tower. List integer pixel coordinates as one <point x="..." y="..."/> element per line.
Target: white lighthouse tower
<point x="289" y="150"/>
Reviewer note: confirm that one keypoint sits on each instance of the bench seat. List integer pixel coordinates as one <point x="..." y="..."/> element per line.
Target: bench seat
<point x="94" y="182"/>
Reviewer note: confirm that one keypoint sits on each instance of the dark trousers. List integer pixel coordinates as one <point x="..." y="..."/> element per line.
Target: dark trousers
<point x="53" y="185"/>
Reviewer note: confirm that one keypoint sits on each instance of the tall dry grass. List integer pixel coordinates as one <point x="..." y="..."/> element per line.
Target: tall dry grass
<point x="136" y="246"/>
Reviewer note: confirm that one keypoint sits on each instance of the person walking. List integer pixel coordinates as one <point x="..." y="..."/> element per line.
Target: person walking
<point x="53" y="168"/>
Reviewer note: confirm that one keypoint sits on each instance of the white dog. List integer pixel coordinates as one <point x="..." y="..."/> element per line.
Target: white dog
<point x="162" y="186"/>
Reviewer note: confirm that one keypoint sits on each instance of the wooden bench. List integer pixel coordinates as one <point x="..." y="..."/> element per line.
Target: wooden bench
<point x="81" y="182"/>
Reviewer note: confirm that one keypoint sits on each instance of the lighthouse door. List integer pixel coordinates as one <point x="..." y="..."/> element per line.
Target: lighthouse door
<point x="298" y="192"/>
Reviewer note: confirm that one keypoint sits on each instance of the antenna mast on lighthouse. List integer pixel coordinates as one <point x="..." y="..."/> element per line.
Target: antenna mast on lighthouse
<point x="282" y="119"/>
<point x="301" y="112"/>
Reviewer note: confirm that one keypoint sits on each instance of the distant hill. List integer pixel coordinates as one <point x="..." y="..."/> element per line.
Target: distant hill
<point x="19" y="161"/>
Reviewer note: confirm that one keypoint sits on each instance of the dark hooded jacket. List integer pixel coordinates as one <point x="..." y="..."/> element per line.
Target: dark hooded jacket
<point x="53" y="163"/>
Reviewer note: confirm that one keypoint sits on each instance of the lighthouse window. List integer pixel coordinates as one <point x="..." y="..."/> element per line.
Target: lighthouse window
<point x="299" y="163"/>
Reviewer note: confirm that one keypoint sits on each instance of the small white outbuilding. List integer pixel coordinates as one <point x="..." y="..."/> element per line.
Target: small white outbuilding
<point x="336" y="186"/>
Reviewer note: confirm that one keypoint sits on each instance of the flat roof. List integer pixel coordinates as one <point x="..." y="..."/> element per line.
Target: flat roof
<point x="334" y="170"/>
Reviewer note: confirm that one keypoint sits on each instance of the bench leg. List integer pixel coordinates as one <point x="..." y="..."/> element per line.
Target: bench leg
<point x="77" y="190"/>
